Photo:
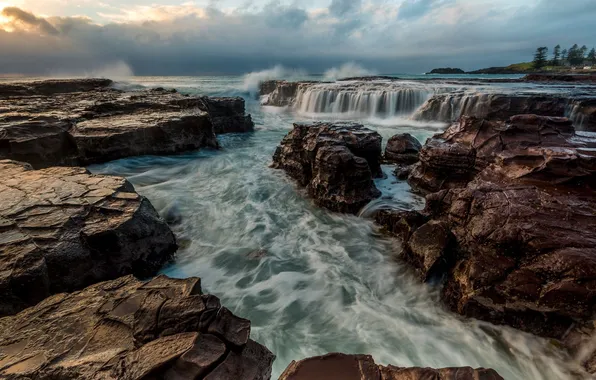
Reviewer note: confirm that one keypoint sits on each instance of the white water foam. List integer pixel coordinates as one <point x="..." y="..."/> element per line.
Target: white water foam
<point x="252" y="80"/>
<point x="347" y="70"/>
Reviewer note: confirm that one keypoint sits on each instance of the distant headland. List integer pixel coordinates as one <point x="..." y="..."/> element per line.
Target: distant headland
<point x="575" y="60"/>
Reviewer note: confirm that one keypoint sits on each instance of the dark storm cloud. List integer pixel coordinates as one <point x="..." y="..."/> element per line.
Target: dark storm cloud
<point x="375" y="34"/>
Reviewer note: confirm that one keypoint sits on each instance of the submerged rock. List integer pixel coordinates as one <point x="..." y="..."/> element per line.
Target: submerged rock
<point x="363" y="367"/>
<point x="62" y="229"/>
<point x="517" y="198"/>
<point x="80" y="122"/>
<point x="128" y="329"/>
<point x="336" y="162"/>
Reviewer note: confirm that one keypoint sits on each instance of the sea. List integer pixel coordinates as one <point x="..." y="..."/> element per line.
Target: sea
<point x="312" y="281"/>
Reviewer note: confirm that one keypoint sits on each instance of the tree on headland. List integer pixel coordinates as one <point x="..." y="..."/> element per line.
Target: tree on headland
<point x="564" y="55"/>
<point x="592" y="56"/>
<point x="575" y="56"/>
<point x="540" y="57"/>
<point x="556" y="55"/>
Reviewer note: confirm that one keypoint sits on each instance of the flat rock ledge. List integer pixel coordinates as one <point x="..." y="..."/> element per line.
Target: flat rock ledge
<point x="62" y="229"/>
<point x="363" y="367"/>
<point x="335" y="162"/>
<point x="126" y="329"/>
<point x="82" y="122"/>
<point x="509" y="225"/>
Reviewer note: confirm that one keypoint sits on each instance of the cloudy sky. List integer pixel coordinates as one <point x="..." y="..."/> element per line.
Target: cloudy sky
<point x="177" y="37"/>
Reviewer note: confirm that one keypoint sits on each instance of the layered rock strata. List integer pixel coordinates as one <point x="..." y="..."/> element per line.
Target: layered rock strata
<point x="62" y="229"/>
<point x="81" y="122"/>
<point x="128" y="329"/>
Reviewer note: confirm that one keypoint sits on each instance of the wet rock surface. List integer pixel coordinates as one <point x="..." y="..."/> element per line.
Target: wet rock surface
<point x="518" y="199"/>
<point x="335" y="162"/>
<point x="402" y="149"/>
<point x="279" y="93"/>
<point x="363" y="367"/>
<point x="128" y="329"/>
<point x="62" y="229"/>
<point x="80" y="122"/>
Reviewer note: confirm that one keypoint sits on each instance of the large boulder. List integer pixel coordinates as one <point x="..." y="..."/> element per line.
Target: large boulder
<point x="517" y="199"/>
<point x="62" y="229"/>
<point x="336" y="162"/>
<point x="79" y="122"/>
<point x="363" y="367"/>
<point x="128" y="329"/>
<point x="402" y="149"/>
<point x="227" y="114"/>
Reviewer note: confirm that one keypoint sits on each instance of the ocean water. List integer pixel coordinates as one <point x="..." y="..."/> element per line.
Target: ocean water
<point x="312" y="281"/>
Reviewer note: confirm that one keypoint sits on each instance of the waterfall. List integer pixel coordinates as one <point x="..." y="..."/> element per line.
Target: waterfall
<point x="450" y="107"/>
<point x="384" y="101"/>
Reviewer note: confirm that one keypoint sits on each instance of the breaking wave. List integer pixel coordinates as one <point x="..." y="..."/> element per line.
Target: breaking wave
<point x="252" y="80"/>
<point x="347" y="70"/>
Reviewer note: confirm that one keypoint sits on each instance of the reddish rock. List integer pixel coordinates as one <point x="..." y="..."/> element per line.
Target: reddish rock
<point x="363" y="367"/>
<point x="62" y="229"/>
<point x="518" y="199"/>
<point x="402" y="149"/>
<point x="128" y="329"/>
<point x="336" y="162"/>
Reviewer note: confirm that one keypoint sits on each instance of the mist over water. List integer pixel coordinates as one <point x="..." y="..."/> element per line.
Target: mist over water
<point x="312" y="281"/>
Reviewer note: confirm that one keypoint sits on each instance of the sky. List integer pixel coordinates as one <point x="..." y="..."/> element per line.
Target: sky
<point x="169" y="37"/>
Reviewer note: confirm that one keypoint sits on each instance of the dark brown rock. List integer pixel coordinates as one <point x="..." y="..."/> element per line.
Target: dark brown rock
<point x="430" y="249"/>
<point x="402" y="149"/>
<point x="79" y="122"/>
<point x="141" y="133"/>
<point x="62" y="229"/>
<point x="278" y="93"/>
<point x="363" y="367"/>
<point x="227" y="114"/>
<point x="518" y="199"/>
<point x="336" y="162"/>
<point x="94" y="333"/>
<point x="560" y="78"/>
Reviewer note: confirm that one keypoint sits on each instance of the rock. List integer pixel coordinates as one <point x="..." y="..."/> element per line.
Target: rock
<point x="363" y="367"/>
<point x="518" y="199"/>
<point x="560" y="78"/>
<point x="80" y="122"/>
<point x="279" y="93"/>
<point x="53" y="87"/>
<point x="447" y="70"/>
<point x="454" y="158"/>
<point x="141" y="133"/>
<point x="400" y="223"/>
<point x="431" y="249"/>
<point x="128" y="329"/>
<point x="336" y="162"/>
<point x="450" y="107"/>
<point x="62" y="229"/>
<point x="227" y="114"/>
<point x="402" y="149"/>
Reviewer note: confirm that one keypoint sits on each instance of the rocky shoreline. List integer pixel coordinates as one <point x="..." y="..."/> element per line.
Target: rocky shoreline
<point x="63" y="229"/>
<point x="509" y="218"/>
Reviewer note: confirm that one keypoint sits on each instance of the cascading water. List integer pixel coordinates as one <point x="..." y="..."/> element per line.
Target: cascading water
<point x="360" y="100"/>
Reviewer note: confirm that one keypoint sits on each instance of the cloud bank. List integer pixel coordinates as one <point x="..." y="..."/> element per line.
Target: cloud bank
<point x="407" y="36"/>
